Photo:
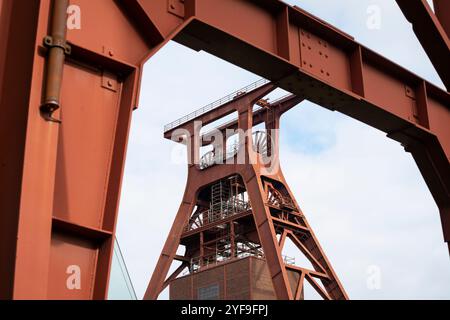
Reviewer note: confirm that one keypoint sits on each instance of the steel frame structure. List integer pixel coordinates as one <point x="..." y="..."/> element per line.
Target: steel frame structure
<point x="273" y="208"/>
<point x="60" y="181"/>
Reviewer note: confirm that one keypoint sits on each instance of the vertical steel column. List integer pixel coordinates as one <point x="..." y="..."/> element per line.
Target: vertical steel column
<point x="261" y="214"/>
<point x="202" y="249"/>
<point x="58" y="199"/>
<point x="169" y="251"/>
<point x="18" y="27"/>
<point x="269" y="242"/>
<point x="442" y="11"/>
<point x="233" y="239"/>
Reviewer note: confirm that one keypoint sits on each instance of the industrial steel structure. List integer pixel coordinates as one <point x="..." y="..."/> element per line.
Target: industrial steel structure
<point x="237" y="201"/>
<point x="67" y="92"/>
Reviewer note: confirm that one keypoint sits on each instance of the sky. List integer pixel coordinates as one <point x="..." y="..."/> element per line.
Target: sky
<point x="360" y="191"/>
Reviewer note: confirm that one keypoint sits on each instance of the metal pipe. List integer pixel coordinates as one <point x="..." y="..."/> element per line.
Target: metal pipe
<point x="442" y="12"/>
<point x="58" y="48"/>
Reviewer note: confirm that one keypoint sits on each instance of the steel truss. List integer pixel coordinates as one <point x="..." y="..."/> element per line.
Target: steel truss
<point x="60" y="181"/>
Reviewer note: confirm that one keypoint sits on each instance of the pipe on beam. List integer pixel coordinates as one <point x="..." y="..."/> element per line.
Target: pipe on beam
<point x="58" y="48"/>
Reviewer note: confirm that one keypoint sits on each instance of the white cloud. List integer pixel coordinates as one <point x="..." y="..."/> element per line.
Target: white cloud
<point x="369" y="205"/>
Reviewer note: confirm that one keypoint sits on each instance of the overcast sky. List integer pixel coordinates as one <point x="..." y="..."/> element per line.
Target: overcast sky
<point x="362" y="194"/>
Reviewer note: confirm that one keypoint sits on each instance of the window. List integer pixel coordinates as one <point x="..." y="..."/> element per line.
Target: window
<point x="120" y="286"/>
<point x="209" y="293"/>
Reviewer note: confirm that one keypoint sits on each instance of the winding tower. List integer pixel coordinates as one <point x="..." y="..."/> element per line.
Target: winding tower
<point x="237" y="210"/>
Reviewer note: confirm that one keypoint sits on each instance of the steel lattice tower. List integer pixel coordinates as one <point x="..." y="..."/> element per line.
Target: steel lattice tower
<point x="237" y="204"/>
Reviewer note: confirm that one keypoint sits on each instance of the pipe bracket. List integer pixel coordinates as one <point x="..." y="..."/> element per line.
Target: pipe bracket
<point x="51" y="42"/>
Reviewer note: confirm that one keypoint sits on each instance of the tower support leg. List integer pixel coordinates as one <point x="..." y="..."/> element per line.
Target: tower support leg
<point x="267" y="236"/>
<point x="169" y="251"/>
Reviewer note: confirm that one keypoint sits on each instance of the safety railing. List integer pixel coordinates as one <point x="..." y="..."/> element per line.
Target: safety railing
<point x="215" y="104"/>
<point x="241" y="251"/>
<point x="231" y="207"/>
<point x="255" y="110"/>
<point x="224" y="254"/>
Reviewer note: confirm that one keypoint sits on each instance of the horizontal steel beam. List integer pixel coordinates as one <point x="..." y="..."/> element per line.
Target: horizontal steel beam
<point x="319" y="275"/>
<point x="259" y="116"/>
<point x="310" y="58"/>
<point x="221" y="111"/>
<point x="211" y="225"/>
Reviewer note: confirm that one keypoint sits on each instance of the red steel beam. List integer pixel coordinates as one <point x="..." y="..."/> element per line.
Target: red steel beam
<point x="259" y="116"/>
<point x="15" y="80"/>
<point x="59" y="198"/>
<point x="442" y="11"/>
<point x="431" y="32"/>
<point x="60" y="182"/>
<point x="313" y="59"/>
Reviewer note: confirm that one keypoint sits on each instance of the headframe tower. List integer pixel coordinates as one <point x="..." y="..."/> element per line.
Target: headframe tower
<point x="238" y="211"/>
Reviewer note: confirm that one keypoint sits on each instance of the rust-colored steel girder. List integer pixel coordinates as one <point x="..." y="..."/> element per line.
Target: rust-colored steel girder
<point x="60" y="182"/>
<point x="432" y="31"/>
<point x="442" y="11"/>
<point x="310" y="58"/>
